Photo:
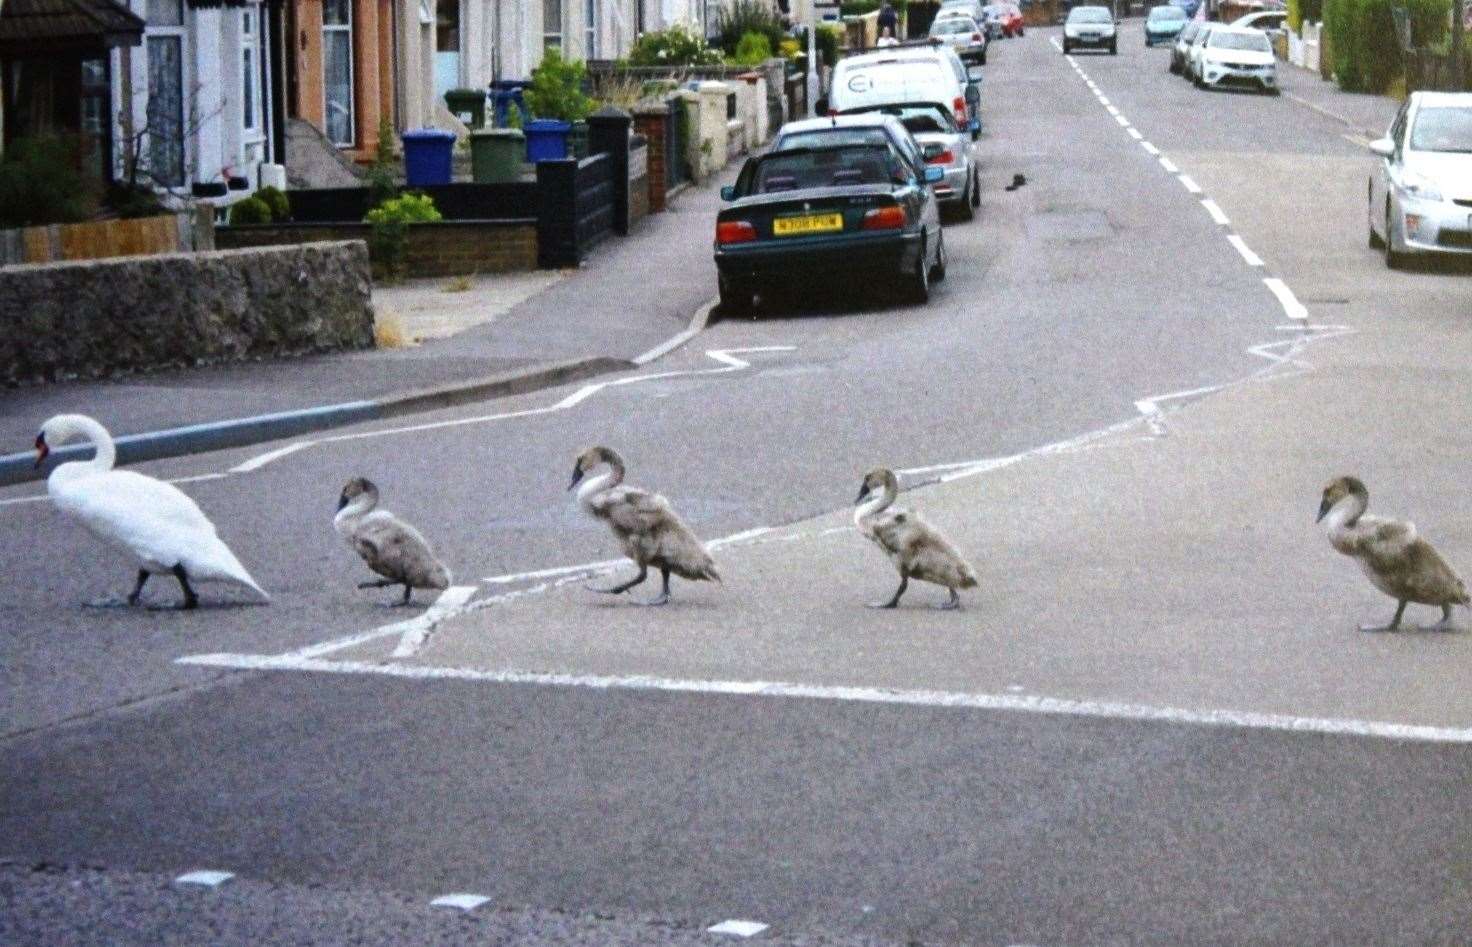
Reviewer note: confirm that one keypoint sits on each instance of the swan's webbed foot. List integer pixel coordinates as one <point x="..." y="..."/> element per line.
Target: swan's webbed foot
<point x="1394" y="622"/>
<point x="623" y="587"/>
<point x="895" y="601"/>
<point x="111" y="601"/>
<point x="663" y="598"/>
<point x="191" y="601"/>
<point x="892" y="603"/>
<point x="952" y="604"/>
<point x="1446" y="623"/>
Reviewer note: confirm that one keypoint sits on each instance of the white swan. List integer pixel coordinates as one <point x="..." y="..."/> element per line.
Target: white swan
<point x="646" y="526"/>
<point x="1397" y="561"/>
<point x="916" y="548"/>
<point x="152" y="521"/>
<point x="390" y="546"/>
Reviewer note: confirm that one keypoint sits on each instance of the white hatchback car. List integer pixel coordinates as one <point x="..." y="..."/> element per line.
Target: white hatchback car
<point x="1421" y="195"/>
<point x="1236" y="56"/>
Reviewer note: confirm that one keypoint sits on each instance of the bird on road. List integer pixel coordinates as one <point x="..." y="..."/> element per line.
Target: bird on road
<point x="644" y="523"/>
<point x="1397" y="561"/>
<point x="153" y="522"/>
<point x="391" y="547"/>
<point x="916" y="548"/>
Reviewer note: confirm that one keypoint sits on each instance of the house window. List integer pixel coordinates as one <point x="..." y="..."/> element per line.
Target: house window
<point x="446" y="46"/>
<point x="166" y="98"/>
<point x="590" y="29"/>
<point x="250" y="73"/>
<point x="337" y="66"/>
<point x="552" y="24"/>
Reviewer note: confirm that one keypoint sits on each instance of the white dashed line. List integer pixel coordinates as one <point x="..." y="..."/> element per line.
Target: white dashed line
<point x="1189" y="184"/>
<point x="1123" y="122"/>
<point x="1215" y="211"/>
<point x="1241" y="246"/>
<point x="1103" y="101"/>
<point x="261" y="460"/>
<point x="1169" y="165"/>
<point x="1149" y="148"/>
<point x="465" y="902"/>
<point x="204" y="879"/>
<point x="1135" y="134"/>
<point x="737" y="928"/>
<point x="1112" y="110"/>
<point x="1291" y="306"/>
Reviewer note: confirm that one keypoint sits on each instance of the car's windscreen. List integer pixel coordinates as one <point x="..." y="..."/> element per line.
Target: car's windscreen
<point x="1443" y="129"/>
<point x="1090" y="15"/>
<point x="919" y="118"/>
<point x="1256" y="42"/>
<point x="825" y="167"/>
<point x="1166" y="14"/>
<point x="952" y="25"/>
<point x="833" y="138"/>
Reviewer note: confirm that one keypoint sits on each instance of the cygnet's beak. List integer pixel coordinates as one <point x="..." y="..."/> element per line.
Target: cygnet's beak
<point x="342" y="501"/>
<point x="43" y="450"/>
<point x="1324" y="509"/>
<point x="863" y="492"/>
<point x="577" y="474"/>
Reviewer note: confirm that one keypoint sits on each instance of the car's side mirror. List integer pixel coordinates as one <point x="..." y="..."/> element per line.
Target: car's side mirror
<point x="934" y="175"/>
<point x="728" y="192"/>
<point x="1383" y="147"/>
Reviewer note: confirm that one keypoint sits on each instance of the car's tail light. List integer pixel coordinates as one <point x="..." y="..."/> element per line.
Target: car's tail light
<point x="735" y="231"/>
<point x="975" y="37"/>
<point x="943" y="157"/>
<point x="959" y="107"/>
<point x="885" y="218"/>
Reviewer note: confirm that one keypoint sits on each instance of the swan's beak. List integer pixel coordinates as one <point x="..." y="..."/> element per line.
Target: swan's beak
<point x="577" y="474"/>
<point x="42" y="449"/>
<point x="1324" y="509"/>
<point x="863" y="492"/>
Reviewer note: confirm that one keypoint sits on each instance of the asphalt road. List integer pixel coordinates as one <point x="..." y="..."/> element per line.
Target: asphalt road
<point x="1101" y="284"/>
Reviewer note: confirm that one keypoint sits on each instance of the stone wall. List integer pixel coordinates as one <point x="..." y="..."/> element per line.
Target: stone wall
<point x="102" y="318"/>
<point x="446" y="248"/>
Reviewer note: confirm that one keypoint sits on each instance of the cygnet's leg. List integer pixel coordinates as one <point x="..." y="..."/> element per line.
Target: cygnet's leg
<point x="408" y="591"/>
<point x="622" y="587"/>
<point x="894" y="602"/>
<point x="138" y="588"/>
<point x="378" y="583"/>
<point x="951" y="604"/>
<point x="1394" y="622"/>
<point x="1446" y="621"/>
<point x="663" y="598"/>
<point x="190" y="599"/>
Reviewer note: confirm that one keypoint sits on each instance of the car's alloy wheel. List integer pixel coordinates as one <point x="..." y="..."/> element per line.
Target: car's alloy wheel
<point x="938" y="273"/>
<point x="917" y="284"/>
<point x="966" y="206"/>
<point x="1393" y="259"/>
<point x="975" y="189"/>
<point x="1114" y="48"/>
<point x="1375" y="242"/>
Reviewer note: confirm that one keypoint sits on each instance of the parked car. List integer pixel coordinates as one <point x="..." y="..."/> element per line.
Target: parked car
<point x="1163" y="24"/>
<point x="962" y="34"/>
<point x="992" y="16"/>
<point x="1091" y="27"/>
<point x="1011" y="19"/>
<point x="1268" y="21"/>
<point x="1421" y="195"/>
<point x="972" y="8"/>
<point x="854" y="208"/>
<point x="1188" y="7"/>
<point x="943" y="144"/>
<point x="1193" y="52"/>
<point x="924" y="73"/>
<point x="1236" y="56"/>
<point x="1183" y="42"/>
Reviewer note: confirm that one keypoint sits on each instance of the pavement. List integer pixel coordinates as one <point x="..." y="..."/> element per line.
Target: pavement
<point x="1365" y="113"/>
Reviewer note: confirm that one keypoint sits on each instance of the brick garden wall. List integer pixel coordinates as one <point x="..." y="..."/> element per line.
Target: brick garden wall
<point x="447" y="248"/>
<point x="652" y="125"/>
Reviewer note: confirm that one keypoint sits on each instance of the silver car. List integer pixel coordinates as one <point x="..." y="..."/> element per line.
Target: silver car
<point x="1421" y="195"/>
<point x="946" y="146"/>
<point x="963" y="34"/>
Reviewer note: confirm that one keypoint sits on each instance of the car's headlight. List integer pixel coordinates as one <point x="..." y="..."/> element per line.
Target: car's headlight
<point x="1418" y="185"/>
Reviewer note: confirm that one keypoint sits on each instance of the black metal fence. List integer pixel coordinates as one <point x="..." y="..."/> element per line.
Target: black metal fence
<point x="577" y="210"/>
<point x="676" y="160"/>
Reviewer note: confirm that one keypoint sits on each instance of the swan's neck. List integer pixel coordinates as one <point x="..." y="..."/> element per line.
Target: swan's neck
<point x="875" y="504"/>
<point x="1345" y="515"/>
<point x="596" y="485"/>
<point x="348" y="516"/>
<point x="107" y="452"/>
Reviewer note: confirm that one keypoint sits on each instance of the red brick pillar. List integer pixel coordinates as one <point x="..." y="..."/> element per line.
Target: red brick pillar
<point x="653" y="124"/>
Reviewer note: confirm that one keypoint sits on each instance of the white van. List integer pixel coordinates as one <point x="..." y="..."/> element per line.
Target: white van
<point x="905" y="75"/>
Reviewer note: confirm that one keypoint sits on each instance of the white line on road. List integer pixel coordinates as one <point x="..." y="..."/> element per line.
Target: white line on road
<point x="1169" y="165"/>
<point x="205" y="879"/>
<point x="1149" y="148"/>
<point x="1215" y="211"/>
<point x="465" y="902"/>
<point x="1054" y="41"/>
<point x="44" y="498"/>
<point x="1112" y="110"/>
<point x="1291" y="306"/>
<point x="737" y="928"/>
<point x="1241" y="245"/>
<point x="1123" y="122"/>
<point x="697" y="326"/>
<point x="1135" y="134"/>
<point x="873" y="695"/>
<point x="417" y="630"/>
<point x="261" y="460"/>
<point x="1103" y="101"/>
<point x="1188" y="183"/>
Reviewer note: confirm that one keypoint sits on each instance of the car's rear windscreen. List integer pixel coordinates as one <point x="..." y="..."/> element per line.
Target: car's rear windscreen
<point x="824" y="167"/>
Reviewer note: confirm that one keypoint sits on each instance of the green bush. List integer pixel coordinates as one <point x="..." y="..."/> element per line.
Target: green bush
<point x="388" y="243"/>
<point x="277" y="200"/>
<point x="514" y="118"/>
<point x="408" y="208"/>
<point x="675" y="46"/>
<point x="556" y="89"/>
<point x="753" y="50"/>
<point x="1430" y="22"/>
<point x="744" y="17"/>
<point x="382" y="178"/>
<point x="1301" y="11"/>
<point x="252" y="210"/>
<point x="863" y="7"/>
<point x="1363" y="43"/>
<point x="40" y="184"/>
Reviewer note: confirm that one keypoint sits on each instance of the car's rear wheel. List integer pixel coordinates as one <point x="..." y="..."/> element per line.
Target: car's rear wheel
<point x="1374" y="238"/>
<point x="975" y="190"/>
<point x="916" y="285"/>
<point x="1114" y="48"/>
<point x="1067" y="48"/>
<point x="1394" y="259"/>
<point x="982" y="60"/>
<point x="966" y="206"/>
<point x="938" y="272"/>
<point x="736" y="299"/>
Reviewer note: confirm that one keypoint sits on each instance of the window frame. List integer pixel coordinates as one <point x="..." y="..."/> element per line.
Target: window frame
<point x="349" y="29"/>
<point x="554" y="39"/>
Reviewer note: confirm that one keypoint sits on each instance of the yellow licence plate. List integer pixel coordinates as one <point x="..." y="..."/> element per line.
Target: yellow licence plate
<point x="811" y="223"/>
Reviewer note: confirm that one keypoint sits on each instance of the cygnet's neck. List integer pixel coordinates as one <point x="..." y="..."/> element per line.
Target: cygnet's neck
<point x="874" y="504"/>
<point x="596" y="485"/>
<point x="357" y="508"/>
<point x="1345" y="514"/>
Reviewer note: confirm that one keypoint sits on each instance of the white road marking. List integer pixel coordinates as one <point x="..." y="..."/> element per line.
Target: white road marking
<point x="1103" y="101"/>
<point x="417" y="630"/>
<point x="205" y="879"/>
<point x="1188" y="183"/>
<point x="1135" y="134"/>
<point x="1215" y="211"/>
<point x="1123" y="122"/>
<point x="1112" y="110"/>
<point x="44" y="498"/>
<point x="1359" y="140"/>
<point x="465" y="902"/>
<point x="1056" y="706"/>
<point x="1149" y="148"/>
<point x="14" y="501"/>
<point x="1169" y="165"/>
<point x="1054" y="41"/>
<point x="261" y="460"/>
<point x="697" y="326"/>
<point x="1241" y="245"/>
<point x="1291" y="306"/>
<point x="737" y="928"/>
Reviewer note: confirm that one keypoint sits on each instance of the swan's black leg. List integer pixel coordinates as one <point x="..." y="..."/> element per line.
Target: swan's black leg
<point x="623" y="587"/>
<point x="894" y="602"/>
<point x="190" y="599"/>
<point x="408" y="591"/>
<point x="664" y="595"/>
<point x="138" y="588"/>
<point x="952" y="603"/>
